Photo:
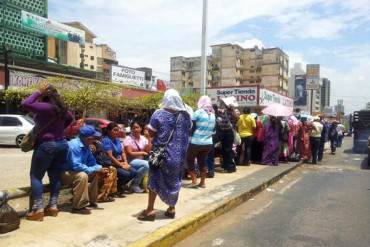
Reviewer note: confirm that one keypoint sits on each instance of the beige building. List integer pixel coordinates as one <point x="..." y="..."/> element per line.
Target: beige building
<point x="232" y="65"/>
<point x="186" y="73"/>
<point x="91" y="56"/>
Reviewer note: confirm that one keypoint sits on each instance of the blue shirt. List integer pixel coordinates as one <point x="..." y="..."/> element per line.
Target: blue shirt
<point x="113" y="145"/>
<point x="204" y="127"/>
<point x="80" y="158"/>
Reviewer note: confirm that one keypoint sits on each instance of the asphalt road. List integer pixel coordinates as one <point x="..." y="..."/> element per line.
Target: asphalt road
<point x="324" y="205"/>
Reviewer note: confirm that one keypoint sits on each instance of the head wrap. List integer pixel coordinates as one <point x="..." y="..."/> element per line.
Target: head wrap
<point x="205" y="103"/>
<point x="172" y="100"/>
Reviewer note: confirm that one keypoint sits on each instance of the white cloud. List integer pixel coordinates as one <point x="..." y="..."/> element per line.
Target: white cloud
<point x="251" y="43"/>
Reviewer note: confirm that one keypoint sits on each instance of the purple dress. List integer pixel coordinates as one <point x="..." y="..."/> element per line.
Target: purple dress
<point x="166" y="182"/>
<point x="271" y="146"/>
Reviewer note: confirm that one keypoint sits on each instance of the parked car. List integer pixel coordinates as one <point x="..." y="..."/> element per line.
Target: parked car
<point x="13" y="128"/>
<point x="100" y="123"/>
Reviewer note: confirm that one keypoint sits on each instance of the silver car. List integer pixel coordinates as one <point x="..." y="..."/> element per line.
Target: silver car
<point x="13" y="128"/>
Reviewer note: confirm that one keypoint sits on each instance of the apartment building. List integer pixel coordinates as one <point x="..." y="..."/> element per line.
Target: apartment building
<point x="325" y="93"/>
<point x="232" y="65"/>
<point x="90" y="56"/>
<point x="186" y="73"/>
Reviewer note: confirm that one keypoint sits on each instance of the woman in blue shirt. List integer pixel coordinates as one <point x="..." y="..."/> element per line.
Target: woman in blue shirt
<point x="113" y="147"/>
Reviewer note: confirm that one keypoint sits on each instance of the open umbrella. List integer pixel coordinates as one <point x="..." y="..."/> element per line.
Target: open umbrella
<point x="278" y="110"/>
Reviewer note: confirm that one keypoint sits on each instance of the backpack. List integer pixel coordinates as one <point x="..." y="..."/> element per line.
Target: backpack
<point x="9" y="219"/>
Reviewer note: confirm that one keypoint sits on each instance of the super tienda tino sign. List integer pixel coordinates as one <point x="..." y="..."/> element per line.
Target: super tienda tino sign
<point x="245" y="96"/>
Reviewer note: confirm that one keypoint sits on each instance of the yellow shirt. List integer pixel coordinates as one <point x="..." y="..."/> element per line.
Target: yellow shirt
<point x="246" y="125"/>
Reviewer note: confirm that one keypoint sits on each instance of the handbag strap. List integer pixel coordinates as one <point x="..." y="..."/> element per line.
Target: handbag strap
<point x="137" y="145"/>
<point x="45" y="126"/>
<point x="173" y="130"/>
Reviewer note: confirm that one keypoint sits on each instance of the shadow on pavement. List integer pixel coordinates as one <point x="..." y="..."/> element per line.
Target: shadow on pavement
<point x="9" y="146"/>
<point x="348" y="151"/>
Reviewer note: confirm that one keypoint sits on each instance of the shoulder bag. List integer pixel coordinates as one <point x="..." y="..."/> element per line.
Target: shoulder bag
<point x="158" y="154"/>
<point x="29" y="140"/>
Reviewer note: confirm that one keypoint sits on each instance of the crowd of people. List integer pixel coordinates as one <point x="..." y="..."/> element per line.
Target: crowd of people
<point x="100" y="166"/>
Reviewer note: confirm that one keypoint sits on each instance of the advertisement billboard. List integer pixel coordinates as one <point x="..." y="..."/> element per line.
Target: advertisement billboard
<point x="300" y="95"/>
<point x="268" y="97"/>
<point x="245" y="96"/>
<point x="127" y="76"/>
<point x="52" y="28"/>
<point x="313" y="76"/>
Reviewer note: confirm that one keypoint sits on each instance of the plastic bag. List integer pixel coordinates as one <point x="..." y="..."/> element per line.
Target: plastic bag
<point x="9" y="219"/>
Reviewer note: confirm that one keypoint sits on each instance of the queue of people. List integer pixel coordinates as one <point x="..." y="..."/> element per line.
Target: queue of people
<point x="100" y="167"/>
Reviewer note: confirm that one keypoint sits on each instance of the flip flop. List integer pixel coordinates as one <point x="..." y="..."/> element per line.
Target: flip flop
<point x="145" y="217"/>
<point x="170" y="215"/>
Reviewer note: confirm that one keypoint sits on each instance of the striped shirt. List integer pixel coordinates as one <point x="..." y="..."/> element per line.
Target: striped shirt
<point x="204" y="128"/>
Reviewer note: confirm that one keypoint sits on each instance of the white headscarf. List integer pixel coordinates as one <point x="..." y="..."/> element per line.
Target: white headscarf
<point x="172" y="100"/>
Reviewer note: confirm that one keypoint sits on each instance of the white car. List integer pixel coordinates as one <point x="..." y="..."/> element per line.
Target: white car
<point x="13" y="128"/>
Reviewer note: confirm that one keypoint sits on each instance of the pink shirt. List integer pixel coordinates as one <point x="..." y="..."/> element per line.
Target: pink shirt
<point x="137" y="145"/>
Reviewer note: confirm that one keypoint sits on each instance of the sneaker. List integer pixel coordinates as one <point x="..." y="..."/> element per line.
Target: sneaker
<point x="137" y="189"/>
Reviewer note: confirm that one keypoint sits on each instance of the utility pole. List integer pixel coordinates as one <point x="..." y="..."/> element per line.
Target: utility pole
<point x="204" y="62"/>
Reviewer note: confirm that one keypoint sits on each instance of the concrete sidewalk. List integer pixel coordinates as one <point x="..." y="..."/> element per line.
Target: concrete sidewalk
<point x="115" y="223"/>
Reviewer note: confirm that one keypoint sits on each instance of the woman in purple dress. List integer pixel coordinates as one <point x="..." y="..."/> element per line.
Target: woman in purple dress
<point x="271" y="145"/>
<point x="166" y="181"/>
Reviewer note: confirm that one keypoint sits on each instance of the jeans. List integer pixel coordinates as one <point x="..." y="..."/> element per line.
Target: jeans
<point x="124" y="176"/>
<point x="315" y="143"/>
<point x="227" y="141"/>
<point x="321" y="150"/>
<point x="333" y="145"/>
<point x="247" y="143"/>
<point x="340" y="140"/>
<point x="47" y="157"/>
<point x="210" y="162"/>
<point x="141" y="167"/>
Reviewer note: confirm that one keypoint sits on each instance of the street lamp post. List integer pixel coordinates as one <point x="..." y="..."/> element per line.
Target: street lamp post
<point x="204" y="62"/>
<point x="7" y="74"/>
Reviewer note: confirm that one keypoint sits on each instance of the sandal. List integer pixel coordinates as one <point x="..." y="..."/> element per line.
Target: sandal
<point x="169" y="214"/>
<point x="192" y="186"/>
<point x="146" y="217"/>
<point x="108" y="199"/>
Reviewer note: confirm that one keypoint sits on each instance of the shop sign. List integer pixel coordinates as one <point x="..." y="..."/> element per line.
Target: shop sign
<point x="268" y="97"/>
<point x="51" y="28"/>
<point x="22" y="79"/>
<point x="127" y="76"/>
<point x="245" y="96"/>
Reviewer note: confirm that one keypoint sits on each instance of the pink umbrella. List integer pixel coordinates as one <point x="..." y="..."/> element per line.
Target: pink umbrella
<point x="278" y="110"/>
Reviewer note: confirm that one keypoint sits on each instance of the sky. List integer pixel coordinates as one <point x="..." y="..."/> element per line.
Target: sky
<point x="332" y="33"/>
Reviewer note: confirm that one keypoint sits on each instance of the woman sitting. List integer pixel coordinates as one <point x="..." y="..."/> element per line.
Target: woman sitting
<point x="137" y="147"/>
<point x="113" y="147"/>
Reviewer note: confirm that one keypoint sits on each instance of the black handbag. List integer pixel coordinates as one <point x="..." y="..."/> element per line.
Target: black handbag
<point x="158" y="154"/>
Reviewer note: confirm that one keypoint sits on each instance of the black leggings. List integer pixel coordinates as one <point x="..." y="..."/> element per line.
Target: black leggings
<point x="200" y="152"/>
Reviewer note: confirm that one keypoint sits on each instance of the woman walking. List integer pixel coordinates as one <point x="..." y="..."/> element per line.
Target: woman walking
<point x="51" y="118"/>
<point x="166" y="181"/>
<point x="201" y="140"/>
<point x="333" y="137"/>
<point x="271" y="148"/>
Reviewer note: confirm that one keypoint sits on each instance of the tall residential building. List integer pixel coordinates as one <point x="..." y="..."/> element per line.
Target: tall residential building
<point x="90" y="56"/>
<point x="339" y="108"/>
<point x="185" y="73"/>
<point x="232" y="65"/>
<point x="325" y="93"/>
<point x="367" y="106"/>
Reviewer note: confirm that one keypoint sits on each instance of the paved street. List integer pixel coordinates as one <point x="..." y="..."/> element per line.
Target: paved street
<point x="325" y="205"/>
<point x="15" y="167"/>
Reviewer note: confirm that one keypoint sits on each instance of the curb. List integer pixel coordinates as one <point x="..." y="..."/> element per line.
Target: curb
<point x="185" y="226"/>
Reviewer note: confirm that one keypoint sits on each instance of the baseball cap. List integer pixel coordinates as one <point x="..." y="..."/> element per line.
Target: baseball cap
<point x="88" y="130"/>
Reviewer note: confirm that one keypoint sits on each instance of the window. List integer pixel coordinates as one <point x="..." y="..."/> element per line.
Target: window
<point x="10" y="121"/>
<point x="86" y="55"/>
<point x="91" y="66"/>
<point x="92" y="58"/>
<point x="86" y="65"/>
<point x="91" y="47"/>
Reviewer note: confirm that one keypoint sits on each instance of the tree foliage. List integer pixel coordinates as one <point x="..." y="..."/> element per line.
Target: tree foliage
<point x="91" y="96"/>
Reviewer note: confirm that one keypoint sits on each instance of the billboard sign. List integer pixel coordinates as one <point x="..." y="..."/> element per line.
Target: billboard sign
<point x="300" y="92"/>
<point x="51" y="28"/>
<point x="127" y="76"/>
<point x="245" y="96"/>
<point x="313" y="76"/>
<point x="268" y="97"/>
